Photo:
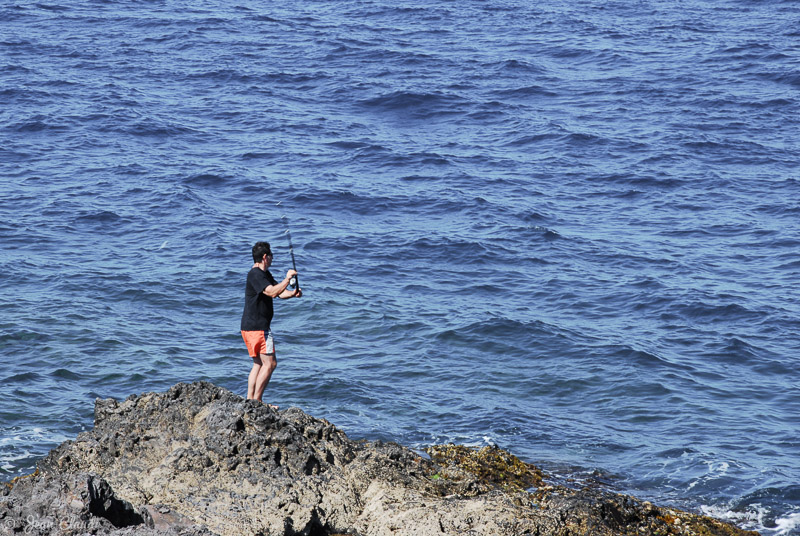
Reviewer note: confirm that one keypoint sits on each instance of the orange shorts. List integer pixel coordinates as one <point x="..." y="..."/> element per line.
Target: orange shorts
<point x="258" y="342"/>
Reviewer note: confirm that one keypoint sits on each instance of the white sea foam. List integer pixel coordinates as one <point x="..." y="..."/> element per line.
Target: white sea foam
<point x="15" y="445"/>
<point x="788" y="525"/>
<point x="6" y="461"/>
<point x="756" y="517"/>
<point x="716" y="469"/>
<point x="748" y="518"/>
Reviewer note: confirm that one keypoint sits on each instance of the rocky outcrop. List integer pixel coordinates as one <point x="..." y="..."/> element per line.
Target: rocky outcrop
<point x="199" y="460"/>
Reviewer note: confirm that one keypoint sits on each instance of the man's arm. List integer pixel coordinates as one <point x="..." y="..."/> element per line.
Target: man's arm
<point x="286" y="294"/>
<point x="275" y="291"/>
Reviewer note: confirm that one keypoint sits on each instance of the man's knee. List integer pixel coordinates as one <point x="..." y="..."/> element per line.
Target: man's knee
<point x="269" y="360"/>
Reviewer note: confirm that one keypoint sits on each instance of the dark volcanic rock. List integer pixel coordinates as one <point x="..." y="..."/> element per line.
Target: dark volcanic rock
<point x="199" y="460"/>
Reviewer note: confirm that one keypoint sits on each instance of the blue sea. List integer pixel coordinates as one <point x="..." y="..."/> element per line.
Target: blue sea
<point x="569" y="229"/>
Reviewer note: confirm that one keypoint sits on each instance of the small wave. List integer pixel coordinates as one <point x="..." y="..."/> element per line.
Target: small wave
<point x="789" y="266"/>
<point x="10" y="68"/>
<point x="257" y="155"/>
<point x="532" y="139"/>
<point x="571" y="53"/>
<point x="23" y="378"/>
<point x="790" y="78"/>
<point x="647" y="182"/>
<point x="674" y="453"/>
<point x="518" y="66"/>
<point x="584" y="138"/>
<point x="549" y="234"/>
<point x="206" y="179"/>
<point x="266" y="18"/>
<point x="741" y="349"/>
<point x="485" y="335"/>
<point x="157" y="128"/>
<point x="102" y="216"/>
<point x="420" y="105"/>
<point x="527" y="91"/>
<point x="181" y="36"/>
<point x="346" y="201"/>
<point x="65" y="374"/>
<point x="38" y="123"/>
<point x="345" y="144"/>
<point x="419" y="178"/>
<point x="577" y="139"/>
<point x="359" y="203"/>
<point x="530" y="217"/>
<point x="53" y="7"/>
<point x="719" y="313"/>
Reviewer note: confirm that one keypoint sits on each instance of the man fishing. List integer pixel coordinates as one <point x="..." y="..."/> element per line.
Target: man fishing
<point x="261" y="288"/>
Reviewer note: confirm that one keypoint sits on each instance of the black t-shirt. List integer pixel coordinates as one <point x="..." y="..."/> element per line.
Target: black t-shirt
<point x="257" y="313"/>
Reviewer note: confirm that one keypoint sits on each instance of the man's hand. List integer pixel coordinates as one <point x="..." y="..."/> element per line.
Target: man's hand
<point x="298" y="293"/>
<point x="291" y="273"/>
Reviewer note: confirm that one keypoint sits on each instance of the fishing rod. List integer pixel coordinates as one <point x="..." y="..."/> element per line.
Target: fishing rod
<point x="294" y="282"/>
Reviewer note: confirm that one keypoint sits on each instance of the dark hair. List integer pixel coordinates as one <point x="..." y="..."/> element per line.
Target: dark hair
<point x="259" y="250"/>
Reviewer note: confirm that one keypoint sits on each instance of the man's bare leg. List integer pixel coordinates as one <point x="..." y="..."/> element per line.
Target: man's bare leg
<point x="268" y="364"/>
<point x="251" y="380"/>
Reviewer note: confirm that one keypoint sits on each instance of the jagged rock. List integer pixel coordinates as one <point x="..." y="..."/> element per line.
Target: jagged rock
<point x="79" y="503"/>
<point x="199" y="460"/>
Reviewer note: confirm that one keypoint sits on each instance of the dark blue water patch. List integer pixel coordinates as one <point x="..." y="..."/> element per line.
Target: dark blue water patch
<point x="787" y="77"/>
<point x="39" y="123"/>
<point x="643" y="358"/>
<point x="356" y="145"/>
<point x="516" y="66"/>
<point x="366" y="205"/>
<point x="414" y="62"/>
<point x="416" y="105"/>
<point x="259" y="155"/>
<point x="64" y="374"/>
<point x="450" y="250"/>
<point x="524" y="335"/>
<point x="718" y="312"/>
<point x="24" y="378"/>
<point x="22" y="336"/>
<point x="344" y="201"/>
<point x="792" y="266"/>
<point x="534" y="217"/>
<point x="646" y="182"/>
<point x="102" y="217"/>
<point x="533" y="139"/>
<point x="53" y="7"/>
<point x="731" y="151"/>
<point x="207" y="180"/>
<point x="524" y="93"/>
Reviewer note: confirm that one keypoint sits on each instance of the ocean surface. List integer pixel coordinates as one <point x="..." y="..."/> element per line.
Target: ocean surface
<point x="566" y="228"/>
